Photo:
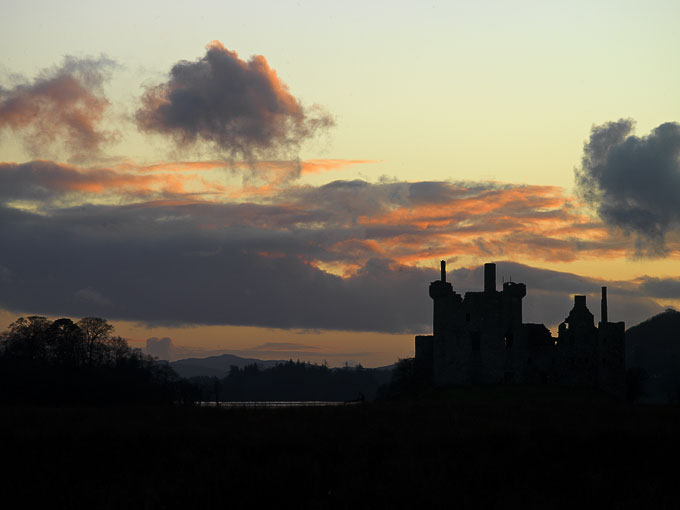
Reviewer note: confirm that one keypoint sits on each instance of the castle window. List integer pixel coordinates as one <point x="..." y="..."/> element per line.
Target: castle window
<point x="508" y="340"/>
<point x="475" y="340"/>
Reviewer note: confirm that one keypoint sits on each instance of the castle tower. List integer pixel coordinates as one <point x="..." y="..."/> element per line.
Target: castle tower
<point x="489" y="278"/>
<point x="580" y="316"/>
<point x="481" y="339"/>
<point x="441" y="293"/>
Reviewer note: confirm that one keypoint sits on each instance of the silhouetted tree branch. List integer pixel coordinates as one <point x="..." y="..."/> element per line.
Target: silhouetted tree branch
<point x="62" y="360"/>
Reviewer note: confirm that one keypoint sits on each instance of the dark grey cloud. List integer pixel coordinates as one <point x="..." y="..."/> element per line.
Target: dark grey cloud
<point x="634" y="182"/>
<point x="343" y="221"/>
<point x="156" y="265"/>
<point x="668" y="288"/>
<point x="259" y="264"/>
<point x="241" y="108"/>
<point x="432" y="192"/>
<point x="348" y="201"/>
<point x="48" y="181"/>
<point x="549" y="293"/>
<point x="48" y="184"/>
<point x="61" y="109"/>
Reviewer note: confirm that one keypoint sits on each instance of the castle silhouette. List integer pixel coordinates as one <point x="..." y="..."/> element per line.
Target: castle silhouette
<point x="481" y="339"/>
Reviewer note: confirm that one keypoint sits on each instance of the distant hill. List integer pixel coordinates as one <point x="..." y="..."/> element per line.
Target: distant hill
<point x="653" y="349"/>
<point x="652" y="342"/>
<point x="387" y="367"/>
<point x="217" y="366"/>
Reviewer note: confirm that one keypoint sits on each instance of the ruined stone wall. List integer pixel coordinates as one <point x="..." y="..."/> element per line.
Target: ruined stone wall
<point x="481" y="339"/>
<point x="612" y="358"/>
<point x="478" y="343"/>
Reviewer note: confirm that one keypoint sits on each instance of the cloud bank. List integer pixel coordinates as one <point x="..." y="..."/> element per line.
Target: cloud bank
<point x="634" y="182"/>
<point x="242" y="109"/>
<point x="177" y="243"/>
<point x="338" y="256"/>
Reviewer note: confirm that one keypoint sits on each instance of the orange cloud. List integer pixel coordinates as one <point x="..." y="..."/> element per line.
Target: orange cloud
<point x="343" y="224"/>
<point x="261" y="179"/>
<point x="317" y="166"/>
<point x="62" y="107"/>
<point x="49" y="181"/>
<point x="173" y="166"/>
<point x="538" y="222"/>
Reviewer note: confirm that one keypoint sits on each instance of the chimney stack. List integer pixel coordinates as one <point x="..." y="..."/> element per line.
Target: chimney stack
<point x="443" y="264"/>
<point x="490" y="278"/>
<point x="603" y="306"/>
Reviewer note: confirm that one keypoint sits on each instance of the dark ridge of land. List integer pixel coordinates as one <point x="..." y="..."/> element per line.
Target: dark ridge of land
<point x="493" y="447"/>
<point x="653" y="357"/>
<point x="655" y="343"/>
<point x="217" y="366"/>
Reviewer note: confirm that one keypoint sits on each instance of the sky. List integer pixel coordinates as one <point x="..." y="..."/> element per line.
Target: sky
<point x="281" y="179"/>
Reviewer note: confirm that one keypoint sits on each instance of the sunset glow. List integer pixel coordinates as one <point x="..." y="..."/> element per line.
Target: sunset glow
<point x="285" y="186"/>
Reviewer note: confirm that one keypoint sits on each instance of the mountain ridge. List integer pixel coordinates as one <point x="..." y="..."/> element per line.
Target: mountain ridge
<point x="653" y="357"/>
<point x="220" y="365"/>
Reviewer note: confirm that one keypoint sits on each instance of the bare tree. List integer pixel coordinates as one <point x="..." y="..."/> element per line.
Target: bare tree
<point x="117" y="350"/>
<point x="97" y="333"/>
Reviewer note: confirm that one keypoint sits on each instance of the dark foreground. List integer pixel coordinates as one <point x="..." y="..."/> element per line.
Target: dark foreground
<point x="485" y="448"/>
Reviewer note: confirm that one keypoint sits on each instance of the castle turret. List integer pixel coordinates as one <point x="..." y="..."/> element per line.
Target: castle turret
<point x="603" y="306"/>
<point x="512" y="296"/>
<point x="441" y="293"/>
<point x="441" y="288"/>
<point x="490" y="278"/>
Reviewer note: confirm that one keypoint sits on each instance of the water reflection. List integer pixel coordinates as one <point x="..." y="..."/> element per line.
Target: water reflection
<point x="306" y="403"/>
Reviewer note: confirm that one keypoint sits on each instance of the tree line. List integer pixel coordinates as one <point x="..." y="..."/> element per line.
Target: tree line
<point x="66" y="361"/>
<point x="293" y="381"/>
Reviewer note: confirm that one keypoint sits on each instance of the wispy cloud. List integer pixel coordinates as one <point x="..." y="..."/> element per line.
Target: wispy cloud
<point x="61" y="109"/>
<point x="48" y="183"/>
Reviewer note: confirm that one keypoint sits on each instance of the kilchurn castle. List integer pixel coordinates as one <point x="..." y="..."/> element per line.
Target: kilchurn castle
<point x="481" y="339"/>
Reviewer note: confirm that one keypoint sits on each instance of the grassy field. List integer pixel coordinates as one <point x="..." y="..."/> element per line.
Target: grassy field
<point x="464" y="448"/>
